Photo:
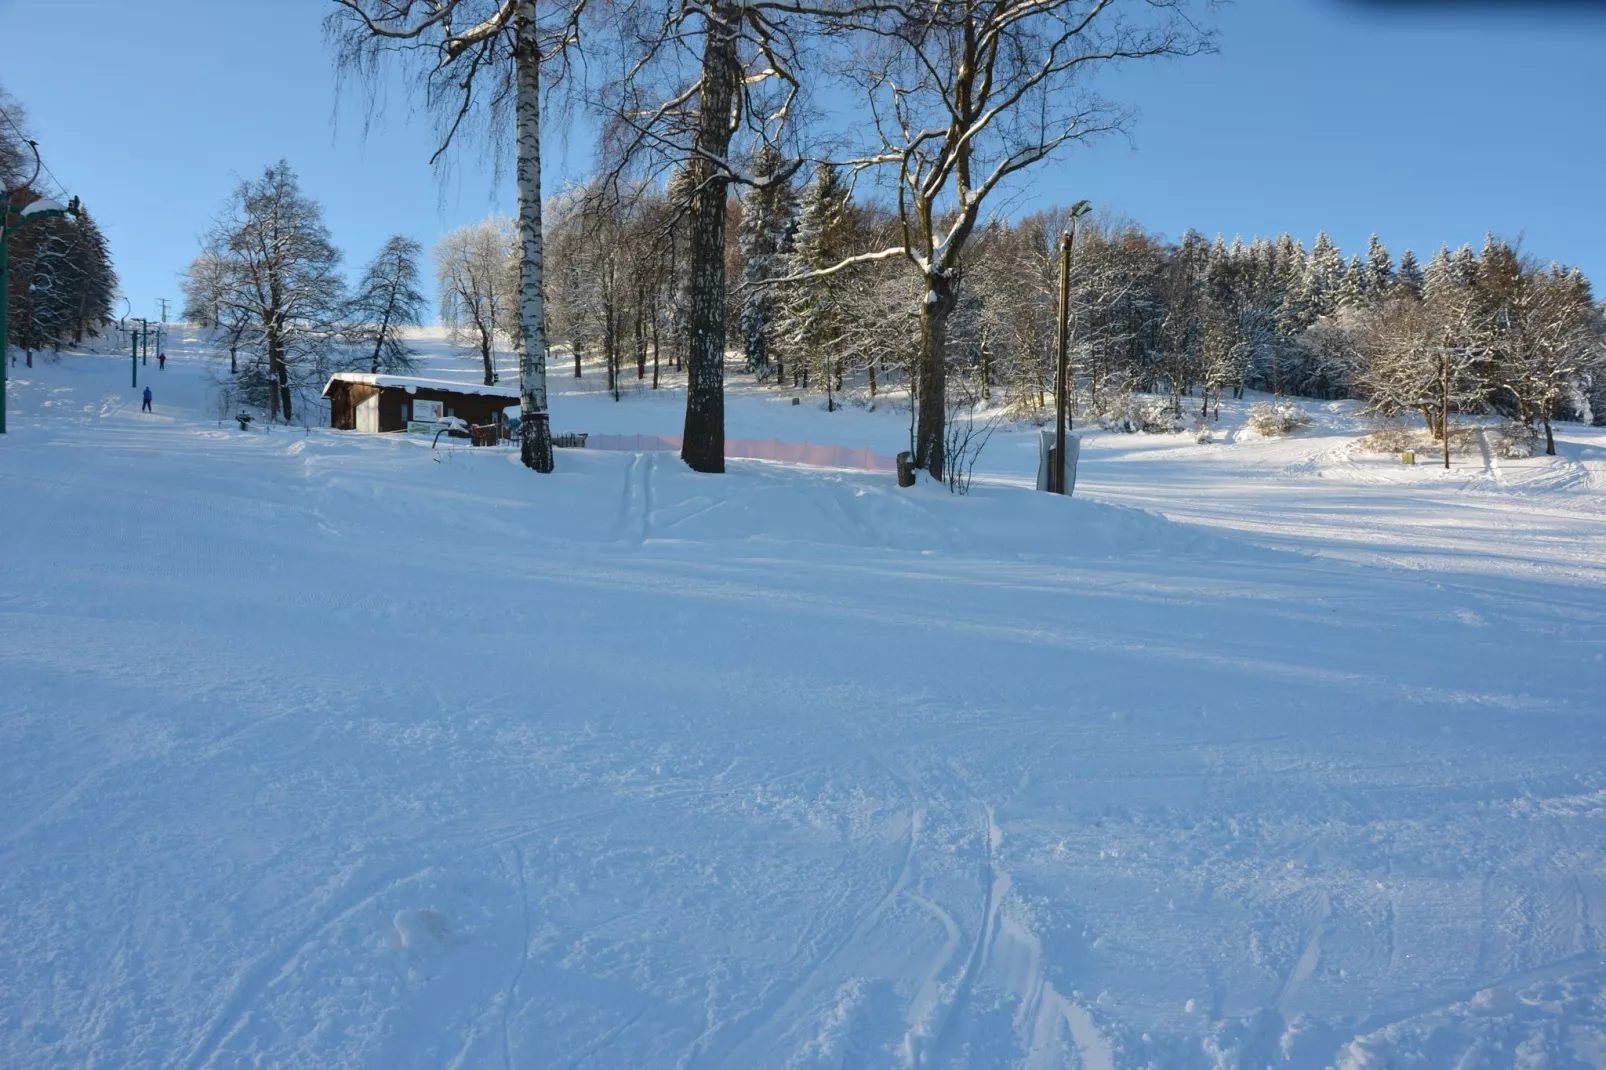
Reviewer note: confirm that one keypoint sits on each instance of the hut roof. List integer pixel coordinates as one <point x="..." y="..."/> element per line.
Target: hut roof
<point x="413" y="383"/>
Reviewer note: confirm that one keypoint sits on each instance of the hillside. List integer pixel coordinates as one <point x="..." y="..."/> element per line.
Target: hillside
<point x="320" y="749"/>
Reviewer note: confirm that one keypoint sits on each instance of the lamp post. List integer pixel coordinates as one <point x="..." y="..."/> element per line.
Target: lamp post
<point x="128" y="313"/>
<point x="1056" y="471"/>
<point x="42" y="208"/>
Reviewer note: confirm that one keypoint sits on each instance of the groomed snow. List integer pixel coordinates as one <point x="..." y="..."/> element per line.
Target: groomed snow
<point x="321" y="749"/>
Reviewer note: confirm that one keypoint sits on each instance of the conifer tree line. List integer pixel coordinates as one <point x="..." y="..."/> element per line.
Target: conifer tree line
<point x="62" y="283"/>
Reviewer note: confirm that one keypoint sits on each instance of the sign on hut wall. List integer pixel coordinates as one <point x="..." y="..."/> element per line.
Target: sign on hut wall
<point x="425" y="416"/>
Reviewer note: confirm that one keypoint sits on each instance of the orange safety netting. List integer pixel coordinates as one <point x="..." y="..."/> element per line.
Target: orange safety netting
<point x="758" y="449"/>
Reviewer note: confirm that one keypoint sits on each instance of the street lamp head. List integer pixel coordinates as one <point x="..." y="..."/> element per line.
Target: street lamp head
<point x="1081" y="208"/>
<point x="44" y="206"/>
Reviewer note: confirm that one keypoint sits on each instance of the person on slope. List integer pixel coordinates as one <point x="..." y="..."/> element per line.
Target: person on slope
<point x="145" y="406"/>
<point x="161" y="362"/>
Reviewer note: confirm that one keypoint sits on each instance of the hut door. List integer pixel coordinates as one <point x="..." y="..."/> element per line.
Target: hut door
<point x="368" y="414"/>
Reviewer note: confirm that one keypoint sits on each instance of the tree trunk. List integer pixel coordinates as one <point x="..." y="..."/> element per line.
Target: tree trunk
<point x="379" y="342"/>
<point x="639" y="329"/>
<point x="278" y="380"/>
<point x="485" y="357"/>
<point x="536" y="452"/>
<point x="931" y="375"/>
<point x="608" y="356"/>
<point x="1550" y="435"/>
<point x="273" y="368"/>
<point x="577" y="360"/>
<point x="610" y="334"/>
<point x="703" y="441"/>
<point x="1444" y="412"/>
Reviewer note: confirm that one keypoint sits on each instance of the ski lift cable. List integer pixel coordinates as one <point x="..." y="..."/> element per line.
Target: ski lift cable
<point x="28" y="141"/>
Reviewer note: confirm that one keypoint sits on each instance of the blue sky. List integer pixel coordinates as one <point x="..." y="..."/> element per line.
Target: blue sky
<point x="1430" y="125"/>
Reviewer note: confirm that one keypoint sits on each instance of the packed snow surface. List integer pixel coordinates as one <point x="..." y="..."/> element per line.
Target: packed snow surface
<point x="321" y="749"/>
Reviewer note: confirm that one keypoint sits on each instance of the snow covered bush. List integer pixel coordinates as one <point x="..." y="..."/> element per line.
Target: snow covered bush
<point x="1394" y="438"/>
<point x="965" y="433"/>
<point x="1132" y="413"/>
<point x="1514" y="441"/>
<point x="1202" y="432"/>
<point x="1269" y="419"/>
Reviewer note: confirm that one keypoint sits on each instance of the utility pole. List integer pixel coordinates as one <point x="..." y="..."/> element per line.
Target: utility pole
<point x="1062" y="373"/>
<point x="163" y="302"/>
<point x="145" y="341"/>
<point x="133" y="356"/>
<point x="1056" y="468"/>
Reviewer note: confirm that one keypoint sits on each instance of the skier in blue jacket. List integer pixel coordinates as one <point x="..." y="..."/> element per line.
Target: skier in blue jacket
<point x="145" y="406"/>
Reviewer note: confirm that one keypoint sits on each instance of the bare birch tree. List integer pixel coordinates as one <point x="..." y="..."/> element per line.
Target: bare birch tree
<point x="477" y="57"/>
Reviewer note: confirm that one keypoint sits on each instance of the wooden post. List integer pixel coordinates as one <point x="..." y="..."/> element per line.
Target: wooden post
<point x="1062" y="372"/>
<point x="1444" y="414"/>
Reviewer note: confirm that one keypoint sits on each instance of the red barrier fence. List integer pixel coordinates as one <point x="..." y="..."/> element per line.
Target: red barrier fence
<point x="759" y="449"/>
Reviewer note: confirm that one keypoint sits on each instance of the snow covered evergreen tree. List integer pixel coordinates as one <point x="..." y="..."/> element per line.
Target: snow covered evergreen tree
<point x="1296" y="309"/>
<point x="1440" y="274"/>
<point x="812" y="314"/>
<point x="678" y="193"/>
<point x="769" y="207"/>
<point x="1379" y="268"/>
<point x="1408" y="280"/>
<point x="1354" y="292"/>
<point x="61" y="277"/>
<point x="1324" y="276"/>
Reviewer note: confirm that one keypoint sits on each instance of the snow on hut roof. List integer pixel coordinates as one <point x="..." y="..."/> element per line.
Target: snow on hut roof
<point x="412" y="383"/>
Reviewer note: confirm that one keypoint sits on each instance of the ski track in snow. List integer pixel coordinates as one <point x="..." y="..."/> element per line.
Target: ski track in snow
<point x="328" y="750"/>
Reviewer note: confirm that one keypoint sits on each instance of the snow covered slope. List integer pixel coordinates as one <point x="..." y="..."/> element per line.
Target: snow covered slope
<point x="329" y="750"/>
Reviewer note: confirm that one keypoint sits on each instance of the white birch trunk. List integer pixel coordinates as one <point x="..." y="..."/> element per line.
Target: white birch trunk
<point x="537" y="432"/>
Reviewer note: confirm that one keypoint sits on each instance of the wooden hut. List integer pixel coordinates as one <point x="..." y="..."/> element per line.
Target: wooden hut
<point x="359" y="401"/>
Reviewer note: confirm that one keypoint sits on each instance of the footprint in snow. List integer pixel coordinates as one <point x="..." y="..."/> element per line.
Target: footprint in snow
<point x="420" y="930"/>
